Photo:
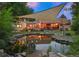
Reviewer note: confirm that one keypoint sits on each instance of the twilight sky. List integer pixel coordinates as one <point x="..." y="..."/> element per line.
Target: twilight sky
<point x="40" y="6"/>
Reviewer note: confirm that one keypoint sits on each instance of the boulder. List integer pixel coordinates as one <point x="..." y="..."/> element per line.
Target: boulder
<point x="18" y="55"/>
<point x="2" y="54"/>
<point x="44" y="53"/>
<point x="23" y="54"/>
<point x="1" y="51"/>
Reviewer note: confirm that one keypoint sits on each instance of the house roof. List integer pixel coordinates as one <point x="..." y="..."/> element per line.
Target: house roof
<point x="46" y="15"/>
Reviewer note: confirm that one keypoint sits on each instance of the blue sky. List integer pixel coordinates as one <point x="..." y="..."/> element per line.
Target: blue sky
<point x="45" y="5"/>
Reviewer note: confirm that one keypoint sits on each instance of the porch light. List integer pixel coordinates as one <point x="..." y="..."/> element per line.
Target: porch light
<point x="19" y="26"/>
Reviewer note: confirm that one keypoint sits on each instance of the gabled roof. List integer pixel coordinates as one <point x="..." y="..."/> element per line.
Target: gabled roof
<point x="47" y="15"/>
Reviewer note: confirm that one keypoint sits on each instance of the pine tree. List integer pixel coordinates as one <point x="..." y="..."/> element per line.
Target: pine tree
<point x="74" y="47"/>
<point x="6" y="28"/>
<point x="75" y="23"/>
<point x="19" y="8"/>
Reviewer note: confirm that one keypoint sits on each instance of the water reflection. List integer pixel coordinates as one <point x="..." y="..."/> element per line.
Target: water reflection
<point x="56" y="47"/>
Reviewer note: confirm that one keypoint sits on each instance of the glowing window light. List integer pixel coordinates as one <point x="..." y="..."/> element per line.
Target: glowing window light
<point x="30" y="25"/>
<point x="39" y="24"/>
<point x="56" y="24"/>
<point x="39" y="36"/>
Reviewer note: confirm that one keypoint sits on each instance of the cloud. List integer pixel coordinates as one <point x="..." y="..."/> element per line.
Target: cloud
<point x="32" y="4"/>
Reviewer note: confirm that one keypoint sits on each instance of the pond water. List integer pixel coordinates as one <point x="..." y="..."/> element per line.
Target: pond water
<point x="56" y="47"/>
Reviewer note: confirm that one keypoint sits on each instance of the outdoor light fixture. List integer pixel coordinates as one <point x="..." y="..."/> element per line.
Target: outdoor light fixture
<point x="19" y="26"/>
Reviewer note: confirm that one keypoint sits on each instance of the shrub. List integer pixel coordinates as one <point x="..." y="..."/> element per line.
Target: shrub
<point x="68" y="34"/>
<point x="2" y="44"/>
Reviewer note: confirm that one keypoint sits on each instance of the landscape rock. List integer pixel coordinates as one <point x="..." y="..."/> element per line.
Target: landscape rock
<point x="23" y="54"/>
